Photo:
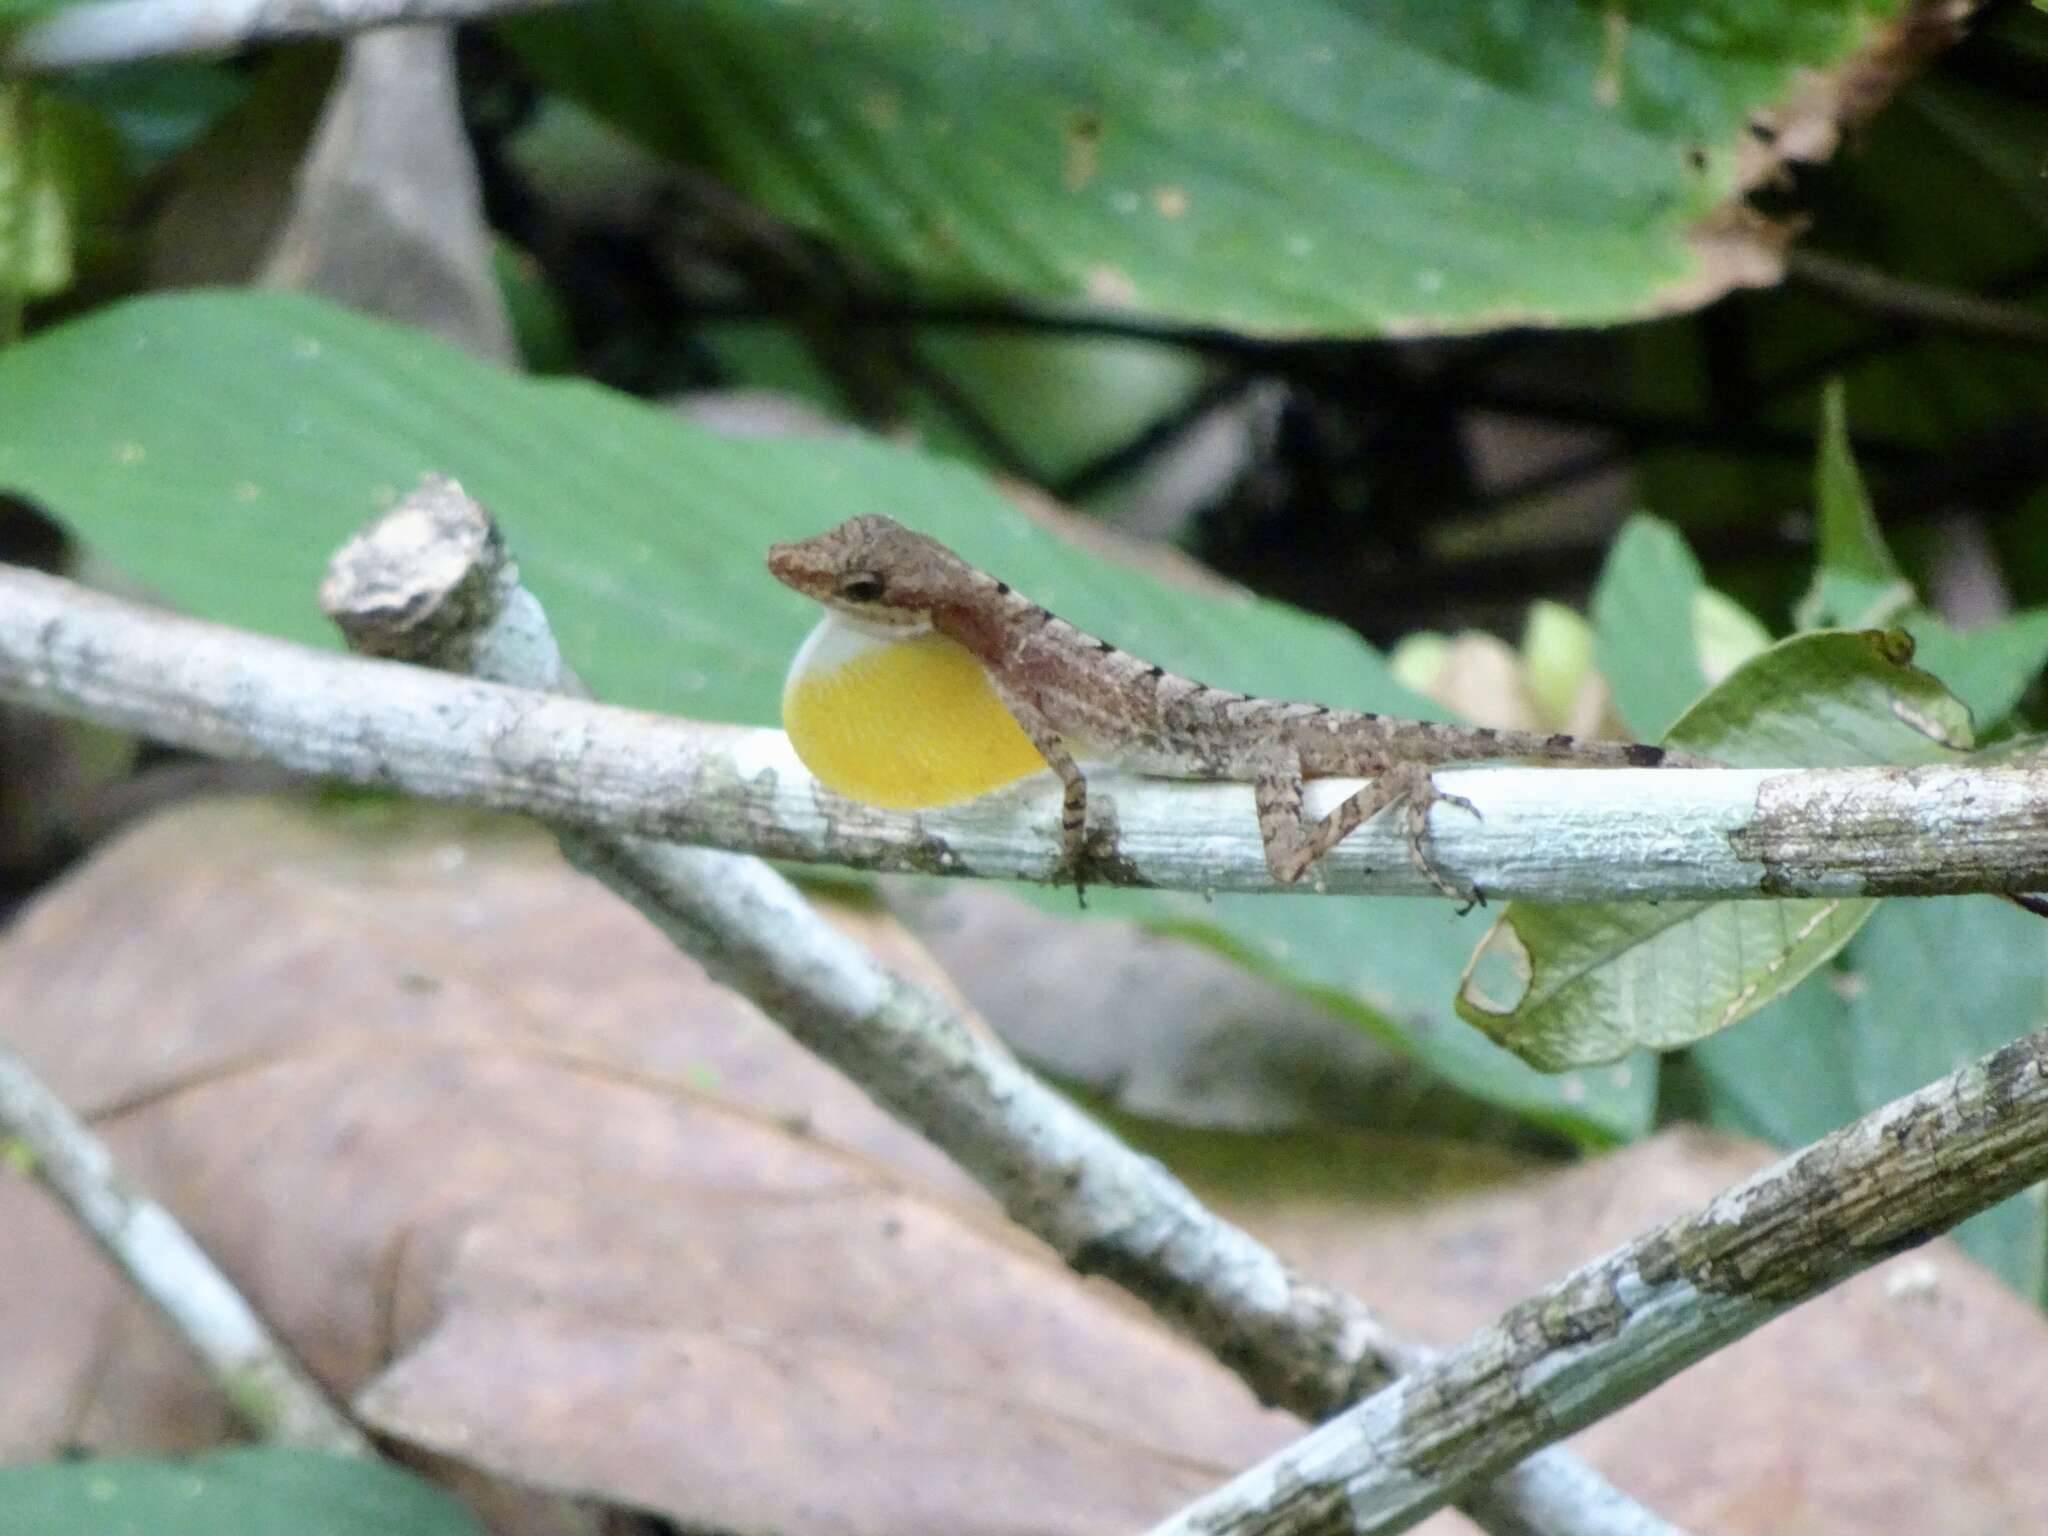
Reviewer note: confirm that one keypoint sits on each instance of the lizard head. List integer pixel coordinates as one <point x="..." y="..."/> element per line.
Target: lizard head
<point x="875" y="571"/>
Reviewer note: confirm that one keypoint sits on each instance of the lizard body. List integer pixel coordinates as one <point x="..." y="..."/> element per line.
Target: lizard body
<point x="1077" y="696"/>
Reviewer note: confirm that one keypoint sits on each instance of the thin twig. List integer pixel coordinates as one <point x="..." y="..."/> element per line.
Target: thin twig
<point x="1540" y="833"/>
<point x="432" y="582"/>
<point x="1609" y="1332"/>
<point x="272" y="1392"/>
<point x="2017" y="285"/>
<point x="1921" y="305"/>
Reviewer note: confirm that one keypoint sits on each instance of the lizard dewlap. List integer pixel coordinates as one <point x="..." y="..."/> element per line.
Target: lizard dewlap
<point x="899" y="723"/>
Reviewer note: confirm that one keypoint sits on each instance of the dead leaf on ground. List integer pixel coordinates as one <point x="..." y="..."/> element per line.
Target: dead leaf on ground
<point x="511" y="1174"/>
<point x="1897" y="1402"/>
<point x="495" y="1158"/>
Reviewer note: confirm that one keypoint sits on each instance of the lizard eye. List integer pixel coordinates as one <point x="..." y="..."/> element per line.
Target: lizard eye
<point x="864" y="588"/>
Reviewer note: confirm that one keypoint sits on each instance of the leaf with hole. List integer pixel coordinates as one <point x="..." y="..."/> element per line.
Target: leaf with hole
<point x="1572" y="986"/>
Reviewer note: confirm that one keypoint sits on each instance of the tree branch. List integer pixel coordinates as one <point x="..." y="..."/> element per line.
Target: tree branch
<point x="1612" y="1330"/>
<point x="269" y="1389"/>
<point x="124" y="31"/>
<point x="431" y="582"/>
<point x="1541" y="833"/>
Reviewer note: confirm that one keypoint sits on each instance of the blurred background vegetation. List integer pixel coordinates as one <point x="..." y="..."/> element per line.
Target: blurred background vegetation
<point x="1500" y="336"/>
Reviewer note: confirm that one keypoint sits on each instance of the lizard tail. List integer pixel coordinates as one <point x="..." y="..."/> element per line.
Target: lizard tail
<point x="1465" y="743"/>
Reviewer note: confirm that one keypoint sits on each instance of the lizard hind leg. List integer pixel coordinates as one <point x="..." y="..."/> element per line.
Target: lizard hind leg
<point x="1294" y="842"/>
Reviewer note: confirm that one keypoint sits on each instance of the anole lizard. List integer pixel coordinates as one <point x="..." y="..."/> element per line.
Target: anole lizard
<point x="1074" y="696"/>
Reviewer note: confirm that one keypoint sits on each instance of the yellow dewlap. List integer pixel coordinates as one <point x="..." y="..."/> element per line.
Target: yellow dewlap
<point x="900" y="723"/>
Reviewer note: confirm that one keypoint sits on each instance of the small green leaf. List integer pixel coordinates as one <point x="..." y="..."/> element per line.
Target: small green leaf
<point x="17" y="1156"/>
<point x="35" y="219"/>
<point x="1418" y="659"/>
<point x="1643" y="623"/>
<point x="1557" y="656"/>
<point x="1989" y="668"/>
<point x="1857" y="583"/>
<point x="254" y="1491"/>
<point x="1569" y="986"/>
<point x="1726" y="633"/>
<point x="63" y="178"/>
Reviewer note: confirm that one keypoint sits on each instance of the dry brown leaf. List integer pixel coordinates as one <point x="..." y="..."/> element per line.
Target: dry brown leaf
<point x="504" y="1167"/>
<point x="1898" y="1402"/>
<point x="489" y="1153"/>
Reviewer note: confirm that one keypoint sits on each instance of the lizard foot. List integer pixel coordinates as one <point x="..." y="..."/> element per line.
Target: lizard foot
<point x="1080" y="850"/>
<point x="1418" y="792"/>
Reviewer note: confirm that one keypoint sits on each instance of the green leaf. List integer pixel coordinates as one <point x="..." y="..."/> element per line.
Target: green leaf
<point x="158" y="108"/>
<point x="14" y="11"/>
<point x="1576" y="985"/>
<point x="220" y="446"/>
<point x="62" y="179"/>
<point x="1925" y="987"/>
<point x="1390" y="965"/>
<point x="1644" y="625"/>
<point x="35" y="221"/>
<point x="1405" y="167"/>
<point x="1557" y="655"/>
<point x="1989" y="668"/>
<point x="1857" y="583"/>
<point x="247" y="1492"/>
<point x="1726" y="633"/>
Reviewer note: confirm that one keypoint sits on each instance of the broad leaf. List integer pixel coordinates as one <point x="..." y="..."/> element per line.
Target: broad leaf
<point x="1405" y="167"/>
<point x="1573" y="986"/>
<point x="248" y="1492"/>
<point x="220" y="446"/>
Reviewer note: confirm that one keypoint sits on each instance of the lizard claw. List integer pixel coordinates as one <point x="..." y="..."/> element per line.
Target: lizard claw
<point x="1420" y="793"/>
<point x="1073" y="865"/>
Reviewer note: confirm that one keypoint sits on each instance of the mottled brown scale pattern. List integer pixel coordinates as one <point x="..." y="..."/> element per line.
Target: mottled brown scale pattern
<point x="1075" y="694"/>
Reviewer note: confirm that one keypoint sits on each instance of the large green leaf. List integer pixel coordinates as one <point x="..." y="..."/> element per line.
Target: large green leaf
<point x="1405" y="166"/>
<point x="1923" y="988"/>
<point x="1573" y="986"/>
<point x="249" y="1492"/>
<point x="219" y="446"/>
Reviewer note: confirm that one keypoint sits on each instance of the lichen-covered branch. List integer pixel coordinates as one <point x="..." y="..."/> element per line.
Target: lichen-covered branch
<point x="1609" y="1332"/>
<point x="431" y="582"/>
<point x="124" y="31"/>
<point x="270" y="1390"/>
<point x="1540" y="833"/>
